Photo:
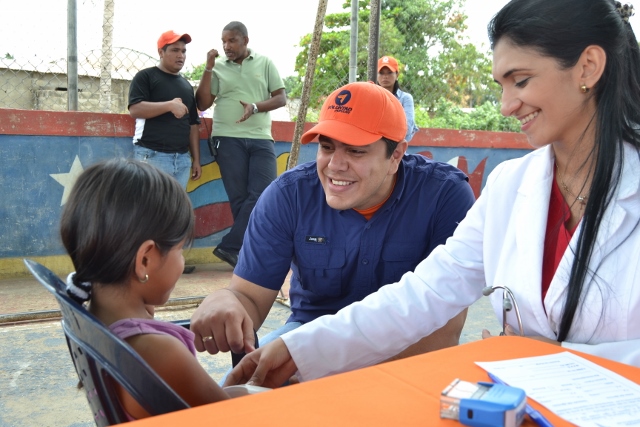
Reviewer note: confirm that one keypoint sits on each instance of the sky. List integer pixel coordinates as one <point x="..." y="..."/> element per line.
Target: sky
<point x="38" y="28"/>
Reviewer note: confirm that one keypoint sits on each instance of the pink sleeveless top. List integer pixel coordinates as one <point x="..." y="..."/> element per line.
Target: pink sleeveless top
<point x="126" y="328"/>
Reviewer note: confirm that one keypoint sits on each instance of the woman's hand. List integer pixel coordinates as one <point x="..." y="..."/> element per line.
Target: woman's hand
<point x="511" y="332"/>
<point x="269" y="366"/>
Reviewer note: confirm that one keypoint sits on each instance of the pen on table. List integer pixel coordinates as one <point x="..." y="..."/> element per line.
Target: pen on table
<point x="533" y="413"/>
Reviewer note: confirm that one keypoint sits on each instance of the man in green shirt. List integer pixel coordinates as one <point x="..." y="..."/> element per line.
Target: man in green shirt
<point x="245" y="87"/>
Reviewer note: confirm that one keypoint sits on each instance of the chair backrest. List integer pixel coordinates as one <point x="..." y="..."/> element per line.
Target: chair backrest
<point x="101" y="359"/>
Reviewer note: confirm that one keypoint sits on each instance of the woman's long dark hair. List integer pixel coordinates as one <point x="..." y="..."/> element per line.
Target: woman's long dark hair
<point x="562" y="29"/>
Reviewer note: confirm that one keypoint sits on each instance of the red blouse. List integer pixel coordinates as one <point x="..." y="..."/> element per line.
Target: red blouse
<point x="557" y="236"/>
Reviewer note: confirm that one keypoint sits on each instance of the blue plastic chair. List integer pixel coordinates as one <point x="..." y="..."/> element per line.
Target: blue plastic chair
<point x="102" y="359"/>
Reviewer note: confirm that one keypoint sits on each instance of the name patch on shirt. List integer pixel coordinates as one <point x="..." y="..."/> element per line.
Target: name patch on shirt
<point x="315" y="239"/>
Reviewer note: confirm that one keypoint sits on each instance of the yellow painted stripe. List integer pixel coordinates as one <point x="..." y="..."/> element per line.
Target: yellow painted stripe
<point x="210" y="172"/>
<point x="61" y="264"/>
<point x="282" y="161"/>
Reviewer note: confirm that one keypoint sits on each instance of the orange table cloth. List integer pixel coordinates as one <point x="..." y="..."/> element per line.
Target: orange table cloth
<point x="400" y="393"/>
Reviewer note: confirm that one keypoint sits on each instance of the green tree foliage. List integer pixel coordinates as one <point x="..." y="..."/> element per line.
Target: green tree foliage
<point x="195" y="74"/>
<point x="425" y="37"/>
<point x="447" y="115"/>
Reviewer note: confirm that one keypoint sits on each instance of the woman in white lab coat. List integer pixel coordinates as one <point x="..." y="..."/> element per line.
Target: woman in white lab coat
<point x="560" y="226"/>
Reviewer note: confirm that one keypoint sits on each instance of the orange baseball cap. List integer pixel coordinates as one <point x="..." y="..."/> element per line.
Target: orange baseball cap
<point x="388" y="61"/>
<point x="169" y="37"/>
<point x="360" y="114"/>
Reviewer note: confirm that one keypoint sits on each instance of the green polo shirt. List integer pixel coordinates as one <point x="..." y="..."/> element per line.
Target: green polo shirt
<point x="252" y="82"/>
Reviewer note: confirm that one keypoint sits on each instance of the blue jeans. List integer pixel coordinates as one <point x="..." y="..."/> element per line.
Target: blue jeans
<point x="178" y="165"/>
<point x="247" y="167"/>
<point x="271" y="336"/>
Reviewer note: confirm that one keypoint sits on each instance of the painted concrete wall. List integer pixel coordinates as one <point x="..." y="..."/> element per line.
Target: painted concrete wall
<point x="41" y="154"/>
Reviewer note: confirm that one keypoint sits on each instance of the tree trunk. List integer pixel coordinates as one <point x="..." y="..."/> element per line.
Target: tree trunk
<point x="374" y="37"/>
<point x="308" y="82"/>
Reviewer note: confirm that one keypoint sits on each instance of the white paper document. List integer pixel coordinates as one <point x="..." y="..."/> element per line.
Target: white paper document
<point x="574" y="388"/>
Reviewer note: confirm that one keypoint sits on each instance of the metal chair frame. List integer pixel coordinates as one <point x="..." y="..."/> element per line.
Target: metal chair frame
<point x="102" y="359"/>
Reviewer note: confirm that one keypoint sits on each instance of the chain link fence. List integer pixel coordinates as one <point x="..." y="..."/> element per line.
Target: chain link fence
<point x="40" y="84"/>
<point x="448" y="76"/>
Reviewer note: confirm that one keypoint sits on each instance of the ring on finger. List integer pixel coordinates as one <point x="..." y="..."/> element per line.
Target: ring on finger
<point x="205" y="339"/>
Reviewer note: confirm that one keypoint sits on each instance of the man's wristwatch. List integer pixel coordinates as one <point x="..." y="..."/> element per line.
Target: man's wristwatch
<point x="255" y="109"/>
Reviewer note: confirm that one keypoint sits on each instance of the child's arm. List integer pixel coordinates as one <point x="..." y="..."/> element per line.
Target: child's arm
<point x="173" y="362"/>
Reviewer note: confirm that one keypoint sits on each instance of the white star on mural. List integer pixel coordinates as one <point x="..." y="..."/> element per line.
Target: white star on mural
<point x="68" y="179"/>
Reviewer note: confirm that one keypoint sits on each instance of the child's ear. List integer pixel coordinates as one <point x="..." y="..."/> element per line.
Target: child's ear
<point x="144" y="259"/>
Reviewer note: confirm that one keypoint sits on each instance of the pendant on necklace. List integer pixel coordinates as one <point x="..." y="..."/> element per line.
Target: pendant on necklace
<point x="581" y="199"/>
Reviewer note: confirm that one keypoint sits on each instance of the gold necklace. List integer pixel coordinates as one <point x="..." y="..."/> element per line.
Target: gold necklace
<point x="580" y="199"/>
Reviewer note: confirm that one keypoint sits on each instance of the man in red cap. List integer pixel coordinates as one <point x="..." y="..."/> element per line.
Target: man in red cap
<point x="357" y="218"/>
<point x="167" y="124"/>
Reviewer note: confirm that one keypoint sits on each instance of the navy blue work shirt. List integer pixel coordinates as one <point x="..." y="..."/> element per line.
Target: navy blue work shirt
<point x="337" y="257"/>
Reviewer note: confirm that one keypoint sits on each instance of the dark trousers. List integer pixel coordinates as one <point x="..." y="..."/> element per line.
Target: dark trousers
<point x="247" y="167"/>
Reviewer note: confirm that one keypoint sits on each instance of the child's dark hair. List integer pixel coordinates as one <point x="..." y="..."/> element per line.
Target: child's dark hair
<point x="113" y="208"/>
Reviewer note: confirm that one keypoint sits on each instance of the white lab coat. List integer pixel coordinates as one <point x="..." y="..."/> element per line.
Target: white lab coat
<point x="500" y="242"/>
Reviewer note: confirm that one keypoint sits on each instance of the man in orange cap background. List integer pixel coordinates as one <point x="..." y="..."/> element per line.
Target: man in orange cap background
<point x="358" y="217"/>
<point x="388" y="72"/>
<point x="167" y="124"/>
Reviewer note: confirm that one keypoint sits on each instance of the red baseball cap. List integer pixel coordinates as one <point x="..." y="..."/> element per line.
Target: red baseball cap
<point x="169" y="37"/>
<point x="388" y="61"/>
<point x="360" y="114"/>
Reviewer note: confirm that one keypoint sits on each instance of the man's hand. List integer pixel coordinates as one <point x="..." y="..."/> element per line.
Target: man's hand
<point x="204" y="98"/>
<point x="211" y="59"/>
<point x="196" y="171"/>
<point x="269" y="366"/>
<point x="248" y="111"/>
<point x="221" y="323"/>
<point x="177" y="108"/>
<point x="511" y="332"/>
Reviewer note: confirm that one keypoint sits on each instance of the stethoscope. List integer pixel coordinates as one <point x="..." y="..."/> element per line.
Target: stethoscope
<point x="507" y="298"/>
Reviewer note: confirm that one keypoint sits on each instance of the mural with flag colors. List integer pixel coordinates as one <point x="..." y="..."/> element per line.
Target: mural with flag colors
<point x="44" y="152"/>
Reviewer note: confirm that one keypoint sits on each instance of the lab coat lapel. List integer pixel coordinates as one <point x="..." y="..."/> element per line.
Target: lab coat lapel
<point x="618" y="221"/>
<point x="532" y="209"/>
<point x="623" y="213"/>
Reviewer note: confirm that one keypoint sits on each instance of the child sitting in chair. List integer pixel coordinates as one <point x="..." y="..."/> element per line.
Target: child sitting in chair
<point x="124" y="226"/>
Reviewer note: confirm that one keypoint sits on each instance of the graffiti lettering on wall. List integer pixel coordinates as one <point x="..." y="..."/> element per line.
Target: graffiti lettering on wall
<point x="476" y="178"/>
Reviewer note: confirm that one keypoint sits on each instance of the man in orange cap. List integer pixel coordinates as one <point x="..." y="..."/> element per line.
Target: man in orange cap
<point x="358" y="217"/>
<point x="388" y="78"/>
<point x="167" y="124"/>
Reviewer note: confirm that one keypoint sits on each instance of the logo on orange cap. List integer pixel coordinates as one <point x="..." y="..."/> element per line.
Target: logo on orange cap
<point x="343" y="97"/>
<point x="340" y="102"/>
<point x="359" y="114"/>
<point x="388" y="61"/>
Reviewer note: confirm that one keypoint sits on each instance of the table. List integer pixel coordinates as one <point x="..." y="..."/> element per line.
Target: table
<point x="401" y="393"/>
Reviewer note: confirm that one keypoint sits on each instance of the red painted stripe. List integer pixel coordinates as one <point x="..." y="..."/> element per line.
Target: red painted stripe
<point x="283" y="131"/>
<point x="469" y="139"/>
<point x="67" y="123"/>
<point x="212" y="218"/>
<point x="75" y="123"/>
